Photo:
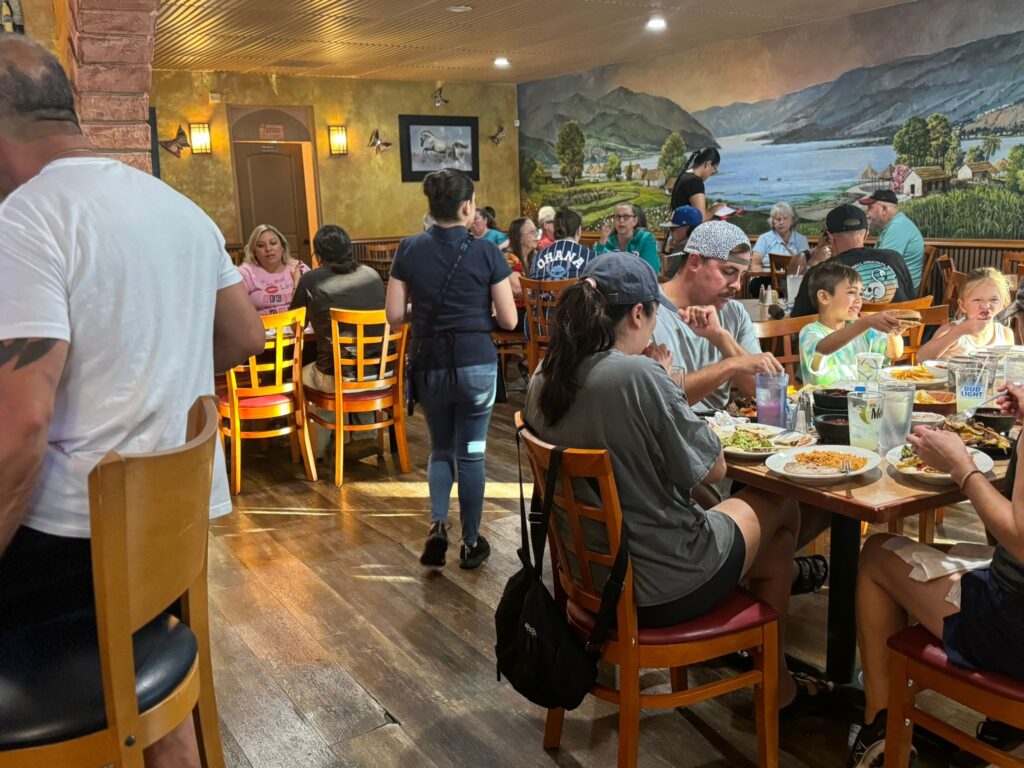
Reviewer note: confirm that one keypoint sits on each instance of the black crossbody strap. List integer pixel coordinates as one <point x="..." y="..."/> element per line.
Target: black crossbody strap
<point x="439" y="299"/>
<point x="610" y="595"/>
<point x="542" y="521"/>
<point x="524" y="526"/>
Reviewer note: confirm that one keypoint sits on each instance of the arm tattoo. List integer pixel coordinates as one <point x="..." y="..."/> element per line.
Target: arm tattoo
<point x="24" y="351"/>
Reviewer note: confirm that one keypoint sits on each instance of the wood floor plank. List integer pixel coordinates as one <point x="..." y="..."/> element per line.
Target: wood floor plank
<point x="386" y="747"/>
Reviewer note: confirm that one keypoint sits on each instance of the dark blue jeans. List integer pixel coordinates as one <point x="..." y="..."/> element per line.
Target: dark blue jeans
<point x="457" y="407"/>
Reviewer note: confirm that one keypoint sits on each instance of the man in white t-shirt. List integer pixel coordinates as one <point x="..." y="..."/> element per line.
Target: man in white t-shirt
<point x="117" y="303"/>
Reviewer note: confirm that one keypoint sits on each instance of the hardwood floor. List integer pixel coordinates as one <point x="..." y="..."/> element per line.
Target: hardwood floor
<point x="333" y="646"/>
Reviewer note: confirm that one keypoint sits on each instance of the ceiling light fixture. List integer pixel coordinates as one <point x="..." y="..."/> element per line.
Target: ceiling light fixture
<point x="502" y="62"/>
<point x="459" y="8"/>
<point x="657" y="24"/>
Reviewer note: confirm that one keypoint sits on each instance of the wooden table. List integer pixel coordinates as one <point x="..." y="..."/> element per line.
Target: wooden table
<point x="756" y="270"/>
<point x="878" y="496"/>
<point x="757" y="311"/>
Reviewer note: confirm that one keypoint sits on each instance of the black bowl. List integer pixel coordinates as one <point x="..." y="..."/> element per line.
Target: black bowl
<point x="994" y="419"/>
<point x="831" y="399"/>
<point x="819" y="411"/>
<point x="833" y="428"/>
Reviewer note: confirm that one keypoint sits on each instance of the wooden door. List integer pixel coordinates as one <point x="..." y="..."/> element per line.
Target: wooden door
<point x="272" y="190"/>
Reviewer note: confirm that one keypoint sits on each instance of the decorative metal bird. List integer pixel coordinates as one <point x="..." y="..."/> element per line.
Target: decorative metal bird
<point x="439" y="100"/>
<point x="499" y="136"/>
<point x="378" y="145"/>
<point x="178" y="143"/>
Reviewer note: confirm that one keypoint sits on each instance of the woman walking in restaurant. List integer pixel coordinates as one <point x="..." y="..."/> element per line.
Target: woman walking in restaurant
<point x="453" y="281"/>
<point x="269" y="271"/>
<point x="689" y="187"/>
<point x="604" y="385"/>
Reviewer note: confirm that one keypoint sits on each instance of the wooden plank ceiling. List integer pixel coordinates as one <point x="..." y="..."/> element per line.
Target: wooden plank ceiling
<point x="422" y="40"/>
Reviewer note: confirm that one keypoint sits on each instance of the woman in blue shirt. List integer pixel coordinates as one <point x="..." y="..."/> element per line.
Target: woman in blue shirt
<point x="453" y="280"/>
<point x="485" y="227"/>
<point x="782" y="238"/>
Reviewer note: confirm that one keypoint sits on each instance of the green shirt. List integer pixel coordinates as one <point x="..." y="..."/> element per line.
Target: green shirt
<point x="642" y="244"/>
<point x="841" y="365"/>
<point x="903" y="236"/>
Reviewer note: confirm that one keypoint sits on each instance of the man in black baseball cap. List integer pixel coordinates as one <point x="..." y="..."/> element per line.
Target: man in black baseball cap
<point x="883" y="272"/>
<point x="896" y="232"/>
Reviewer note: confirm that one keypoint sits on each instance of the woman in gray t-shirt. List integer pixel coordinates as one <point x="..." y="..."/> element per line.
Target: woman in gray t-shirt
<point x="603" y="385"/>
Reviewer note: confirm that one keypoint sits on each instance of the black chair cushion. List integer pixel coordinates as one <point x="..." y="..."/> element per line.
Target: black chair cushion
<point x="50" y="683"/>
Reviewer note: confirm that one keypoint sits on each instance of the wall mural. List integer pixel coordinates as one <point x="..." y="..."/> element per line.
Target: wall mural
<point x="926" y="99"/>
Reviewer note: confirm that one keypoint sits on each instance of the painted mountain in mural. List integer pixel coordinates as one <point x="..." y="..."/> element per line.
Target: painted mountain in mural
<point x="621" y="121"/>
<point x="961" y="82"/>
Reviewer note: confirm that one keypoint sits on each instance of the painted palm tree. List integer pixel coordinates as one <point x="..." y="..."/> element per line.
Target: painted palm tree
<point x="990" y="145"/>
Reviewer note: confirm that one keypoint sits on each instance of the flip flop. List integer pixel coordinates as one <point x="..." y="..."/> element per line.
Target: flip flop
<point x="812" y="571"/>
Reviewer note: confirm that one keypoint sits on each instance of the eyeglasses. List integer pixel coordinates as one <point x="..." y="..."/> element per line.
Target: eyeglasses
<point x="623" y="216"/>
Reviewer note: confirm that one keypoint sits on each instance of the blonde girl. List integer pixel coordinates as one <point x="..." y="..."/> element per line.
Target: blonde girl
<point x="985" y="294"/>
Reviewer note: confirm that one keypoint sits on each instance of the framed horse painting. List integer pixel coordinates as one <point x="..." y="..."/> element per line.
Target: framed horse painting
<point x="431" y="142"/>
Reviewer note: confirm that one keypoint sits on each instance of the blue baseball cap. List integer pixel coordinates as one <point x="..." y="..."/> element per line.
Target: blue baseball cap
<point x="684" y="216"/>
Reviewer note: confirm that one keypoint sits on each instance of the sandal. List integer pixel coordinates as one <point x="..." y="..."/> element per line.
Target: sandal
<point x="811" y="573"/>
<point x="812" y="695"/>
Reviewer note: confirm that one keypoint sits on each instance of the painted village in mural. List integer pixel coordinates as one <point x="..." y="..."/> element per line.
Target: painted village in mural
<point x="951" y="148"/>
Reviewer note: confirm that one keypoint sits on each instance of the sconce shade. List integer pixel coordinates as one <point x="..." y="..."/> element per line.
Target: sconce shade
<point x="338" y="138"/>
<point x="199" y="135"/>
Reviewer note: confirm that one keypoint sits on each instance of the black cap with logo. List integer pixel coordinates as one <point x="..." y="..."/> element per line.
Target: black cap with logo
<point x="845" y="218"/>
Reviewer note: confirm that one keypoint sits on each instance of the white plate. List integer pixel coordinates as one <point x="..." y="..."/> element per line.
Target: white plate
<point x="981" y="461"/>
<point x="939" y="376"/>
<point x="778" y="462"/>
<point x="764" y="429"/>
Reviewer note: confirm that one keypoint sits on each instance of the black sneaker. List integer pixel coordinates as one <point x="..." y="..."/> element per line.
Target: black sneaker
<point x="475" y="555"/>
<point x="436" y="546"/>
<point x="994" y="733"/>
<point x="869" y="747"/>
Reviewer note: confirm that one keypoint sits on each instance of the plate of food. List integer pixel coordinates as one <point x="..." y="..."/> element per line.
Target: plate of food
<point x="742" y="406"/>
<point x="981" y="438"/>
<point x="919" y="375"/>
<point x="755" y="441"/>
<point x="823" y="464"/>
<point x="904" y="459"/>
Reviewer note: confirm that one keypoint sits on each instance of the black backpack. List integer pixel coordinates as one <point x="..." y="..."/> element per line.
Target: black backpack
<point x="537" y="650"/>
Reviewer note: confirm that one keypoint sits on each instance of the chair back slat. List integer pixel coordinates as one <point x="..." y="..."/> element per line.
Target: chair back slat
<point x="921" y="302"/>
<point x="778" y="264"/>
<point x="539" y="300"/>
<point x="150" y="516"/>
<point x="579" y="547"/>
<point x="368" y="352"/>
<point x="780" y="338"/>
<point x="1011" y="261"/>
<point x="930" y="252"/>
<point x="282" y="372"/>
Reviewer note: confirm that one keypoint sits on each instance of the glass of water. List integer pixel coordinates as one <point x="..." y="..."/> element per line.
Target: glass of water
<point x="897" y="412"/>
<point x="1015" y="365"/>
<point x="792" y="289"/>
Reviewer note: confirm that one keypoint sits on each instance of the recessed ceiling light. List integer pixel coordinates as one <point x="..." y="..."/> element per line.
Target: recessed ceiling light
<point x="501" y="61"/>
<point x="657" y="23"/>
<point x="459" y="8"/>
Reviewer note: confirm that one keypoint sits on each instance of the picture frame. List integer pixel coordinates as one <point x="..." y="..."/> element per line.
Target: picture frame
<point x="431" y="142"/>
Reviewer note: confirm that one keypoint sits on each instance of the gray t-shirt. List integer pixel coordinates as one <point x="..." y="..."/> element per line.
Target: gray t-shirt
<point x="628" y="405"/>
<point x="692" y="352"/>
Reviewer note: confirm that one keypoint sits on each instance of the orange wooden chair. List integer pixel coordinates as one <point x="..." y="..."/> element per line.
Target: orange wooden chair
<point x="1011" y="261"/>
<point x="269" y="387"/>
<point x="508" y="344"/>
<point x="921" y="302"/>
<point x="379" y="256"/>
<point x="780" y="338"/>
<point x="953" y="279"/>
<point x="96" y="689"/>
<point x="918" y="662"/>
<point x="930" y="253"/>
<point x="778" y="264"/>
<point x="912" y="336"/>
<point x="369" y="377"/>
<point x="540" y="298"/>
<point x="739" y="623"/>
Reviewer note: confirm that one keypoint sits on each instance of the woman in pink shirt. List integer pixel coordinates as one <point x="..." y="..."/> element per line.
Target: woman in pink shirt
<point x="268" y="270"/>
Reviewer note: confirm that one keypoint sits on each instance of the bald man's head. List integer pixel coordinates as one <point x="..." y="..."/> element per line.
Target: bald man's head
<point x="35" y="96"/>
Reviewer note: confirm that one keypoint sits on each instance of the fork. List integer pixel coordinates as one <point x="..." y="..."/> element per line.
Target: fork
<point x="844" y="466"/>
<point x="969" y="412"/>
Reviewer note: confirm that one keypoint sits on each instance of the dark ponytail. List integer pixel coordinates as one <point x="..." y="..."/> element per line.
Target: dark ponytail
<point x="701" y="156"/>
<point x="584" y="324"/>
<point x="447" y="190"/>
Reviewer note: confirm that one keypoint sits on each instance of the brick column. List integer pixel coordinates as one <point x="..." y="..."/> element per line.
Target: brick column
<point x="109" y="59"/>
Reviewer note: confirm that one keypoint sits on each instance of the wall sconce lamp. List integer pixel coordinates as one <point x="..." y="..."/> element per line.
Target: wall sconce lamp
<point x="338" y="139"/>
<point x="199" y="136"/>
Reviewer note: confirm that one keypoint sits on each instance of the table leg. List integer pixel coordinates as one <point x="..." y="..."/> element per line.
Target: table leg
<point x="841" y="652"/>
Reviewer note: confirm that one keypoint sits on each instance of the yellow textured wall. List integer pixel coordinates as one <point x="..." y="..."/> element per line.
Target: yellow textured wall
<point x="362" y="191"/>
<point x="41" y="20"/>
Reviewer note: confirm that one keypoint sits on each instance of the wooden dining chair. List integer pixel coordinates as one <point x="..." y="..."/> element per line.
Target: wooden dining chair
<point x="369" y="377"/>
<point x="269" y="386"/>
<point x="918" y="303"/>
<point x="953" y="280"/>
<point x="780" y="338"/>
<point x="778" y="264"/>
<point x="917" y="663"/>
<point x="98" y="687"/>
<point x="912" y="336"/>
<point x="930" y="254"/>
<point x="379" y="256"/>
<point x="740" y="623"/>
<point x="539" y="299"/>
<point x="1011" y="260"/>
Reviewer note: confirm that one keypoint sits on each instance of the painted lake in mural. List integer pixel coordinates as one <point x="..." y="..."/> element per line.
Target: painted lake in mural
<point x="755" y="174"/>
